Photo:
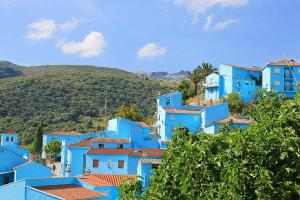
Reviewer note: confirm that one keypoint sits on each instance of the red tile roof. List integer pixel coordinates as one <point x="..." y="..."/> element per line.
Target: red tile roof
<point x="182" y="111"/>
<point x="83" y="143"/>
<point x="151" y="161"/>
<point x="70" y="191"/>
<point x="141" y="152"/>
<point x="256" y="69"/>
<point x="148" y="152"/>
<point x="8" y="131"/>
<point x="111" y="140"/>
<point x="234" y="120"/>
<point x="284" y="62"/>
<point x="99" y="180"/>
<point x="109" y="151"/>
<point x="143" y="124"/>
<point x="70" y="133"/>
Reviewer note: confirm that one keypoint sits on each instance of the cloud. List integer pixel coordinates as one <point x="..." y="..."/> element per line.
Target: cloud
<point x="201" y="6"/>
<point x="69" y="25"/>
<point x="207" y="25"/>
<point x="151" y="50"/>
<point x="92" y="45"/>
<point x="223" y="24"/>
<point x="41" y="29"/>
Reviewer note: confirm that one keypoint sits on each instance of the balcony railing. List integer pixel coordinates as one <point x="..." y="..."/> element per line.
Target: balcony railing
<point x="212" y="84"/>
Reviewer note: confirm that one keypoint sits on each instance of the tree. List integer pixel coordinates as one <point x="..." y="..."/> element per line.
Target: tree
<point x="236" y="105"/>
<point x="37" y="145"/>
<point x="195" y="79"/>
<point x="204" y="70"/>
<point x="53" y="149"/>
<point x="129" y="112"/>
<point x="130" y="189"/>
<point x="260" y="162"/>
<point x="186" y="89"/>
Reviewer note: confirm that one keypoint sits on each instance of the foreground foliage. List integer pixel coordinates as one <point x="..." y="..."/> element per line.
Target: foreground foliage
<point x="261" y="162"/>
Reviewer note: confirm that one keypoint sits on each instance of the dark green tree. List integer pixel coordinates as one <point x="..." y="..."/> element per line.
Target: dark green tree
<point x="236" y="105"/>
<point x="186" y="88"/>
<point x="37" y="145"/>
<point x="195" y="79"/>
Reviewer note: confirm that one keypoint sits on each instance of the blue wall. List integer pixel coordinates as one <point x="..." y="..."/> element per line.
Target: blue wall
<point x="9" y="139"/>
<point x="32" y="170"/>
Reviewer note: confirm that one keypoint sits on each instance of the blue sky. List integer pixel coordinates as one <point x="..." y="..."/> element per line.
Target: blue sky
<point x="149" y="35"/>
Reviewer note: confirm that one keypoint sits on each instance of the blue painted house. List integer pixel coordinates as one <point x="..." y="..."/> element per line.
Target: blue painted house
<point x="14" y="161"/>
<point x="8" y="138"/>
<point x="282" y="76"/>
<point x="172" y="113"/>
<point x="49" y="189"/>
<point x="234" y="79"/>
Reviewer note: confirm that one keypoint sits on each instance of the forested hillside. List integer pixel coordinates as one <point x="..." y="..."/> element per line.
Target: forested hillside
<point x="64" y="96"/>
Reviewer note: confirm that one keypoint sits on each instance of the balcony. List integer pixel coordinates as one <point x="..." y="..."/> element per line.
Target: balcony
<point x="212" y="84"/>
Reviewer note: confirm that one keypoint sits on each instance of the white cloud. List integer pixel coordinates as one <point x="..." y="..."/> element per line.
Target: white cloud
<point x="151" y="50"/>
<point x="45" y="28"/>
<point x="41" y="29"/>
<point x="201" y="6"/>
<point x="223" y="24"/>
<point x="69" y="25"/>
<point x="208" y="22"/>
<point x="92" y="45"/>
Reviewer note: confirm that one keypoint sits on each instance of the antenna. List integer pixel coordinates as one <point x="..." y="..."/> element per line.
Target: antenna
<point x="105" y="103"/>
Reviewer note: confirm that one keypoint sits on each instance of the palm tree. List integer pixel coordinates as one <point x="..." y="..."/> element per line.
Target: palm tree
<point x="204" y="70"/>
<point x="195" y="78"/>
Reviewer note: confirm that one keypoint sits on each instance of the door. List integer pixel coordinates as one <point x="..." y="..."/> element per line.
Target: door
<point x="5" y="179"/>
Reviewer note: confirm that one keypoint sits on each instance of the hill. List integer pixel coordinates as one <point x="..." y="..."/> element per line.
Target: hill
<point x="164" y="76"/>
<point x="66" y="96"/>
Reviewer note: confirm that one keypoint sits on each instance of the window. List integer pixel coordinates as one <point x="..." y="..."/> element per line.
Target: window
<point x="12" y="139"/>
<point x="120" y="146"/>
<point x="154" y="166"/>
<point x="298" y="71"/>
<point x="172" y="128"/>
<point x="7" y="139"/>
<point x="277" y="70"/>
<point x="172" y="117"/>
<point x="121" y="164"/>
<point x="196" y="118"/>
<point x="101" y="145"/>
<point x="95" y="163"/>
<point x="277" y="83"/>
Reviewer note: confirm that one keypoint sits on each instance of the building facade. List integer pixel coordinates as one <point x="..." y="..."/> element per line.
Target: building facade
<point x="234" y="79"/>
<point x="282" y="76"/>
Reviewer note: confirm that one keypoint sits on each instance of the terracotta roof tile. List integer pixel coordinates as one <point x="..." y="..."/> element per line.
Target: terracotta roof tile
<point x="234" y="120"/>
<point x="109" y="151"/>
<point x="256" y="69"/>
<point x="284" y="62"/>
<point x="111" y="140"/>
<point x="182" y="111"/>
<point x="70" y="133"/>
<point x="8" y="131"/>
<point x="151" y="161"/>
<point x="99" y="180"/>
<point x="153" y="152"/>
<point x="70" y="191"/>
<point x="143" y="124"/>
<point x="83" y="143"/>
